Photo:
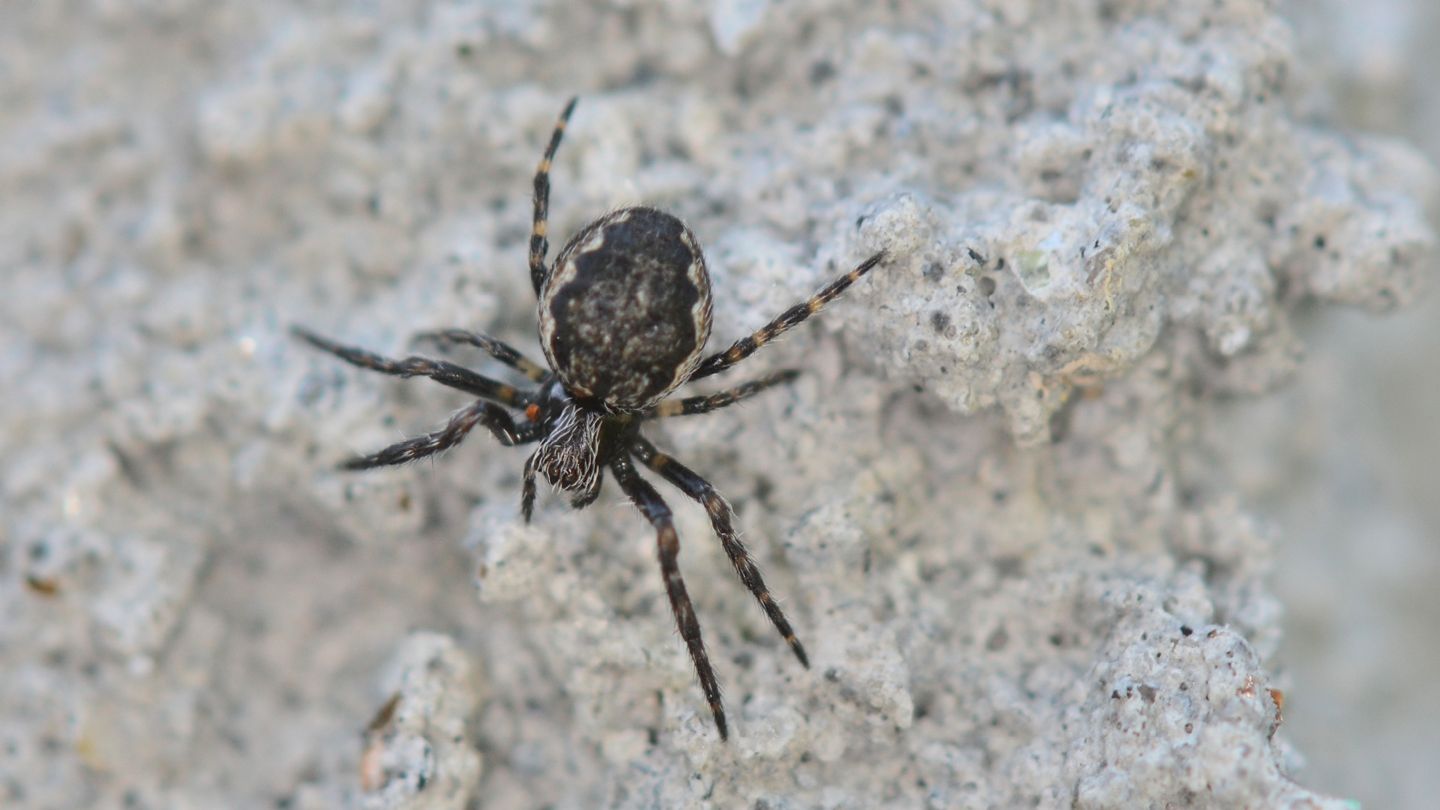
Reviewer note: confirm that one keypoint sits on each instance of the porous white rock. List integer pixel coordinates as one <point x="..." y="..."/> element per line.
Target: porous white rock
<point x="989" y="505"/>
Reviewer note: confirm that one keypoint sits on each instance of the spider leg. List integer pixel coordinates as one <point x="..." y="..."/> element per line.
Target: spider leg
<point x="479" y="412"/>
<point x="527" y="488"/>
<point x="457" y="377"/>
<point x="538" y="243"/>
<point x="650" y="504"/>
<point x="497" y="349"/>
<point x="746" y="346"/>
<point x="713" y="402"/>
<point x="722" y="518"/>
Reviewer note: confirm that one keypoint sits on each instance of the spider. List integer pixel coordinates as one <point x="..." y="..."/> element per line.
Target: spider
<point x="624" y="316"/>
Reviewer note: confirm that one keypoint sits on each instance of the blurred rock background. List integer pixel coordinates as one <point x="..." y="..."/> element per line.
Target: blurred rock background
<point x="1352" y="482"/>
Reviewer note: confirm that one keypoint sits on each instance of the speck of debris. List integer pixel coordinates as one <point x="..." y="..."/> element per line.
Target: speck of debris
<point x="940" y="321"/>
<point x="822" y="71"/>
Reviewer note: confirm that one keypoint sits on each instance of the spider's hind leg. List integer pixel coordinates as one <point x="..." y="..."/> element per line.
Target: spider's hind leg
<point x="498" y="349"/>
<point x="539" y="245"/>
<point x="457" y="377"/>
<point x="722" y="518"/>
<point x="690" y="406"/>
<point x="648" y="501"/>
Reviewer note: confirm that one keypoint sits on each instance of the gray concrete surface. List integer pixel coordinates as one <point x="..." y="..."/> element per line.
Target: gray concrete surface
<point x="1018" y="507"/>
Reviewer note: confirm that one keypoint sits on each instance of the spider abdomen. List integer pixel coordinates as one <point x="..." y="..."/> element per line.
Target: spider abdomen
<point x="625" y="311"/>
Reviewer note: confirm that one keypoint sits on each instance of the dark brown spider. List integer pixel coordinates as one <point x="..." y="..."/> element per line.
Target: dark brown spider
<point x="624" y="316"/>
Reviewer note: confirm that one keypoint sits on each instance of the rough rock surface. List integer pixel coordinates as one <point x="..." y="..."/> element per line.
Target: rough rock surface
<point x="993" y="504"/>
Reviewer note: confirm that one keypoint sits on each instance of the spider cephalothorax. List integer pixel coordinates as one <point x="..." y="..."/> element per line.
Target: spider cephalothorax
<point x="624" y="316"/>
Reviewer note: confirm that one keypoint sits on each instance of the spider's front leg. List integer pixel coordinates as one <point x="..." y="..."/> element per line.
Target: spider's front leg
<point x="480" y="412"/>
<point x="722" y="518"/>
<point x="658" y="513"/>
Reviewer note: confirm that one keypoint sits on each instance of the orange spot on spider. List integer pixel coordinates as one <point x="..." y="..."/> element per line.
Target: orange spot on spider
<point x="532" y="412"/>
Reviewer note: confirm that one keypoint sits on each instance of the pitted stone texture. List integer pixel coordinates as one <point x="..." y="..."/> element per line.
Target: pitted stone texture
<point x="1176" y="191"/>
<point x="1101" y="219"/>
<point x="418" y="752"/>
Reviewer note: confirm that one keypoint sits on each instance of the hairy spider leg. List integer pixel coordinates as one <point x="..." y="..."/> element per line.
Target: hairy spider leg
<point x="457" y="377"/>
<point x="498" y="349"/>
<point x="527" y="488"/>
<point x="539" y="245"/>
<point x="654" y="509"/>
<point x="746" y="346"/>
<point x="722" y="518"/>
<point x="479" y="412"/>
<point x="690" y="406"/>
